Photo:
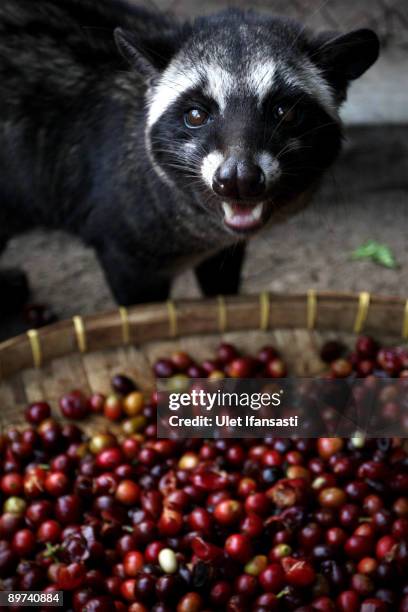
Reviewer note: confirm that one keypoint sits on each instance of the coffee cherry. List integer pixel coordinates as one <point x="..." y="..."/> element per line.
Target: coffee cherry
<point x="102" y="603"/>
<point x="252" y="526"/>
<point x="56" y="484"/>
<point x="332" y="497"/>
<point x="68" y="509"/>
<point x="348" y="601"/>
<point x="39" y="315"/>
<point x="366" y="347"/>
<point x="267" y="602"/>
<point x="128" y="588"/>
<point x="324" y="604"/>
<point x="310" y="536"/>
<point x="152" y="551"/>
<point x="267" y="353"/>
<point x="341" y="368"/>
<point x="373" y="604"/>
<point x="123" y="385"/>
<point x="109" y="458"/>
<point x="298" y="573"/>
<point x="349" y="515"/>
<point x="365" y="367"/>
<point x="298" y="471"/>
<point x="195" y="371"/>
<point x="227" y="353"/>
<point x="216" y="375"/>
<point x="127" y="492"/>
<point x="362" y="584"/>
<point x="256" y="566"/>
<point x="191" y="602"/>
<point x="335" y="536"/>
<point x="211" y="365"/>
<point x="327" y="447"/>
<point x="272" y="458"/>
<point x="74" y="405"/>
<point x="239" y="547"/>
<point x="400" y="506"/>
<point x="279" y="551"/>
<point x="49" y="531"/>
<point x="357" y="547"/>
<point x="181" y="360"/>
<point x="272" y="578"/>
<point x="276" y="368"/>
<point x="133" y="403"/>
<point x="96" y="403"/>
<point x="70" y="577"/>
<point x="100" y="442"/>
<point x="400" y="529"/>
<point x="167" y="588"/>
<point x="12" y="484"/>
<point x="220" y="593"/>
<point x="246" y="486"/>
<point x="386" y="595"/>
<point x="241" y="367"/>
<point x="113" y="408"/>
<point x="385" y="547"/>
<point x="188" y="461"/>
<point x="331" y="350"/>
<point x="38" y="511"/>
<point x="228" y="512"/>
<point x="133" y="563"/>
<point x="205" y="551"/>
<point x="144" y="587"/>
<point x="367" y="565"/>
<point x="404" y="604"/>
<point x="170" y="522"/>
<point x="37" y="412"/>
<point x="164" y="368"/>
<point x="257" y="503"/>
<point x="246" y="585"/>
<point x="15" y="505"/>
<point x="23" y="542"/>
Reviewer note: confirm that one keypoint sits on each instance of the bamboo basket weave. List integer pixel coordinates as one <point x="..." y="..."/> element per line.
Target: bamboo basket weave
<point x="84" y="353"/>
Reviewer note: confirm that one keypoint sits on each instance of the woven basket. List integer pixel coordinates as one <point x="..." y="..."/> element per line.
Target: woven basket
<point x="84" y="353"/>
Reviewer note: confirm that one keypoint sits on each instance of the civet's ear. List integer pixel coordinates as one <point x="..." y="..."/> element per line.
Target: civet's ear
<point x="346" y="57"/>
<point x="147" y="55"/>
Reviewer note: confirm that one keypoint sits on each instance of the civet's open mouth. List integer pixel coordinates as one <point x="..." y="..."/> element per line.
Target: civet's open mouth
<point x="243" y="218"/>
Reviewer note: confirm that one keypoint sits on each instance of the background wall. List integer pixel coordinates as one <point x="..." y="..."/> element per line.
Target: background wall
<point x="364" y="197"/>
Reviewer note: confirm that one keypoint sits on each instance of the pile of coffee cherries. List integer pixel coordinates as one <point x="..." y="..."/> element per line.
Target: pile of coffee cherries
<point x="128" y="522"/>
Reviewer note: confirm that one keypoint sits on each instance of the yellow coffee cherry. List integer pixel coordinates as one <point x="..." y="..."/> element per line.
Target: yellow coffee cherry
<point x="133" y="404"/>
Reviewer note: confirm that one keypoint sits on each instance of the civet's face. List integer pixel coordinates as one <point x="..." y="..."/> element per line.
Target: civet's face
<point x="244" y="116"/>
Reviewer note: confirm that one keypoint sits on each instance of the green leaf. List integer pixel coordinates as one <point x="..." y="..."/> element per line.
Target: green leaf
<point x="385" y="257"/>
<point x="365" y="251"/>
<point x="378" y="253"/>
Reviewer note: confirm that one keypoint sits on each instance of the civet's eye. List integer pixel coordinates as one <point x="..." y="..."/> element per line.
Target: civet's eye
<point x="286" y="115"/>
<point x="196" y="118"/>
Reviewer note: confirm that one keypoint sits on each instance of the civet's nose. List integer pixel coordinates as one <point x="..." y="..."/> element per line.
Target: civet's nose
<point x="239" y="180"/>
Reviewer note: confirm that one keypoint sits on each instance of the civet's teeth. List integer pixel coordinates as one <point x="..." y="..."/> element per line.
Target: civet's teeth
<point x="256" y="212"/>
<point x="228" y="211"/>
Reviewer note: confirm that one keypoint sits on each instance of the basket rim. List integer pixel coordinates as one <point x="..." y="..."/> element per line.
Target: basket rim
<point x="340" y="311"/>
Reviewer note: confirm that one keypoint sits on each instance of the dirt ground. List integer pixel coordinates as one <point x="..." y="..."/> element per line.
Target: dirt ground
<point x="363" y="198"/>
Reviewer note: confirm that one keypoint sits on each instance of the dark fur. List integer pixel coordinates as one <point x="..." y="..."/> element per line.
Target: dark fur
<point x="72" y="151"/>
